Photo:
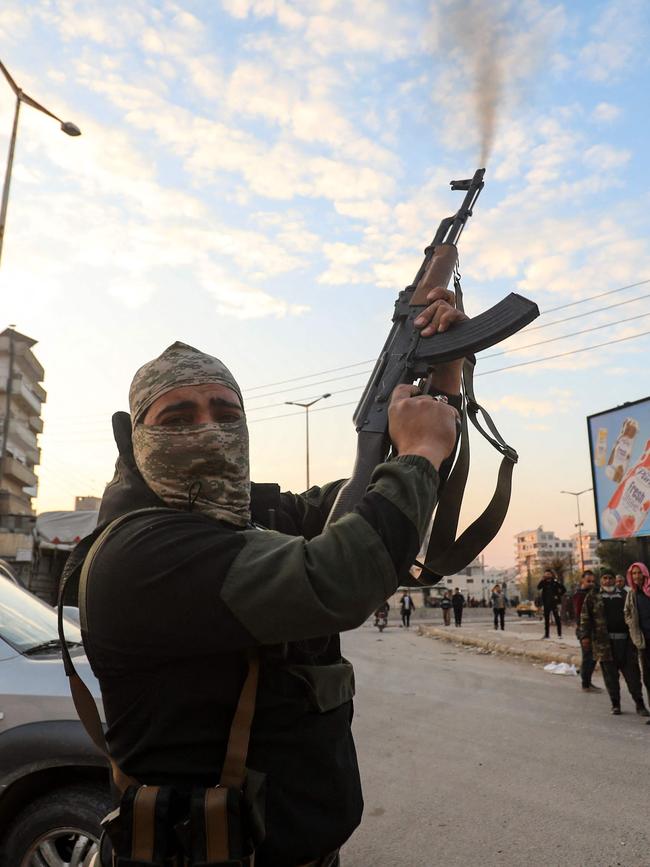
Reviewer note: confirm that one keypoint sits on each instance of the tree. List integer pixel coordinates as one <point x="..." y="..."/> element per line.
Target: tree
<point x="559" y="564"/>
<point x="618" y="555"/>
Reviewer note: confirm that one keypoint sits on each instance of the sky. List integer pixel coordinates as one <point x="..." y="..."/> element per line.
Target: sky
<point x="259" y="178"/>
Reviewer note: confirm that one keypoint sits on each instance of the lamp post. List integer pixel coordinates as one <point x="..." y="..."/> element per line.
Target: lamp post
<point x="66" y="126"/>
<point x="577" y="494"/>
<point x="306" y="407"/>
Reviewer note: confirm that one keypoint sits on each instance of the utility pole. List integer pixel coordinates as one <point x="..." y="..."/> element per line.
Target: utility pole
<point x="579" y="525"/>
<point x="306" y="407"/>
<point x="66" y="126"/>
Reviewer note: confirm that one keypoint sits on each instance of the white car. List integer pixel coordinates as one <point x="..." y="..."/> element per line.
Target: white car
<point x="54" y="784"/>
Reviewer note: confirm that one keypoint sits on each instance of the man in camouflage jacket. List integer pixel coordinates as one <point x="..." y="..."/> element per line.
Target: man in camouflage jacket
<point x="604" y="631"/>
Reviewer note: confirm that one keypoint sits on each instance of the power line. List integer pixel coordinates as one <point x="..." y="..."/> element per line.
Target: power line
<point x="104" y="438"/>
<point x="563" y="354"/>
<point x="565" y="336"/>
<point x="593" y="297"/>
<point x="588" y="313"/>
<point x="372" y="360"/>
<point x="309" y="375"/>
<point x="310" y="384"/>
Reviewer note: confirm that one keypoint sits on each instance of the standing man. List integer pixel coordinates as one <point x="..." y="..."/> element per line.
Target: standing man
<point x="445" y="604"/>
<point x="588" y="663"/>
<point x="637" y="616"/>
<point x="551" y="591"/>
<point x="498" y="606"/>
<point x="458" y="603"/>
<point x="188" y="588"/>
<point x="604" y="630"/>
<point x="406" y="606"/>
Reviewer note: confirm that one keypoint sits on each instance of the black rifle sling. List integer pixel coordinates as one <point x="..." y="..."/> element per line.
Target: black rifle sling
<point x="447" y="554"/>
<point x="234" y="767"/>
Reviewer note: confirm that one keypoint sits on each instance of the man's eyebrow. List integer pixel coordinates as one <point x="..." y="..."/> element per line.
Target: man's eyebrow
<point x="175" y="407"/>
<point x="221" y="401"/>
<point x="191" y="404"/>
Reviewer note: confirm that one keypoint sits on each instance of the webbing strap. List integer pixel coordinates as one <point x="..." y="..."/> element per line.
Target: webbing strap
<point x="447" y="554"/>
<point x="234" y="766"/>
<point x="217" y="847"/>
<point x="82" y="698"/>
<point x="144" y="824"/>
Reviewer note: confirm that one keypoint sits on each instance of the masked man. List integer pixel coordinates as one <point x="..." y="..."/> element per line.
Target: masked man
<point x="189" y="584"/>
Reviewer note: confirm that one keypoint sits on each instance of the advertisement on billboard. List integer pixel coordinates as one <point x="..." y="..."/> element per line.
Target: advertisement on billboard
<point x="619" y="444"/>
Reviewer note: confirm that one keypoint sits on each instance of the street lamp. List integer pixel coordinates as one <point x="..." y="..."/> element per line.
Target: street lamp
<point x="66" y="126"/>
<point x="577" y="494"/>
<point x="306" y="407"/>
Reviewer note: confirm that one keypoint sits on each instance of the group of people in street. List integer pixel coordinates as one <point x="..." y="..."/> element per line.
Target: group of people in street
<point x="452" y="602"/>
<point x="613" y="627"/>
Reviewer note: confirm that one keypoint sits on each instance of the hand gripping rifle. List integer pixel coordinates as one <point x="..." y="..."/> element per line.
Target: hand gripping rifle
<point x="407" y="357"/>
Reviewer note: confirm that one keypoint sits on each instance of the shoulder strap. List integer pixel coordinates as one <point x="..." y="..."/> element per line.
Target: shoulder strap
<point x="447" y="554"/>
<point x="233" y="771"/>
<point x="84" y="702"/>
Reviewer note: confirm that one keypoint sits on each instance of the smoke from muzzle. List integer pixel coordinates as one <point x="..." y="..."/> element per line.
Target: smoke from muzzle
<point x="475" y="28"/>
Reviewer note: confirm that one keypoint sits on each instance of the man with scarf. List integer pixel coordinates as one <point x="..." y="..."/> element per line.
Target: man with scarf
<point x="184" y="589"/>
<point x="637" y="616"/>
<point x="604" y="631"/>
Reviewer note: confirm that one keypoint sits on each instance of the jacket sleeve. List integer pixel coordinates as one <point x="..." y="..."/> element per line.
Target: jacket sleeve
<point x="180" y="584"/>
<point x="586" y="618"/>
<point x="283" y="588"/>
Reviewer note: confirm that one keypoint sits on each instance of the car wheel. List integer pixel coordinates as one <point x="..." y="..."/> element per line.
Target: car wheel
<point x="61" y="829"/>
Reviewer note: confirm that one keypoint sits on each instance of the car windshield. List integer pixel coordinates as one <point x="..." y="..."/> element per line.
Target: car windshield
<point x="27" y="623"/>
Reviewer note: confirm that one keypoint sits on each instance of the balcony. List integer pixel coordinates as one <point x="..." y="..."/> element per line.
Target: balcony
<point x="36" y="423"/>
<point x="23" y="439"/>
<point x="22" y="474"/>
<point x="24" y="396"/>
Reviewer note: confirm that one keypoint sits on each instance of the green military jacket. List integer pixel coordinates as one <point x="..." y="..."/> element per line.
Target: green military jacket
<point x="594" y="627"/>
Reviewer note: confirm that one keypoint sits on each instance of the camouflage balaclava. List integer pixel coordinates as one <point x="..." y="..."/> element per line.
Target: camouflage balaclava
<point x="191" y="466"/>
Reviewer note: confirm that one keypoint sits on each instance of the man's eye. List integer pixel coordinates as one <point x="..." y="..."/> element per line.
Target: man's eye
<point x="176" y="419"/>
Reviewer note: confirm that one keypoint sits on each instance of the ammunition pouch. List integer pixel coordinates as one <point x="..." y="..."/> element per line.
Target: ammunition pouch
<point x="158" y="826"/>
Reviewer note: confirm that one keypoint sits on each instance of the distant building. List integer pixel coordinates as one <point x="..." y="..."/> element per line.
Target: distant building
<point x="534" y="549"/>
<point x="475" y="580"/>
<point x="21" y="398"/>
<point x="589" y="544"/>
<point x="87" y="504"/>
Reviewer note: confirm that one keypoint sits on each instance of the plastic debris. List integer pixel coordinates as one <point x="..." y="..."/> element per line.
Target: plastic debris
<point x="561" y="668"/>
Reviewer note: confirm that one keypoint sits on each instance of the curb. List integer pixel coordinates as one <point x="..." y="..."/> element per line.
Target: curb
<point x="560" y="655"/>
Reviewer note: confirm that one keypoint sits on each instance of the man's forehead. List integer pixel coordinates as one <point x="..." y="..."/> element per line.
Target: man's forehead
<point x="179" y="365"/>
<point x="194" y="393"/>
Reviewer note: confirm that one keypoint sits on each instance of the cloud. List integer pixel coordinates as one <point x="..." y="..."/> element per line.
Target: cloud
<point x="334" y="27"/>
<point x="616" y="36"/>
<point x="556" y="401"/>
<point x="606" y="112"/>
<point x="604" y="158"/>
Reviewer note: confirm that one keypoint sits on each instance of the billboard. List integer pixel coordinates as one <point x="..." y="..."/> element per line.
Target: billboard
<point x="619" y="444"/>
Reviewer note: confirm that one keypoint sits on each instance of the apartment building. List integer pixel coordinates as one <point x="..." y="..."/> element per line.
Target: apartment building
<point x="21" y="398"/>
<point x="589" y="557"/>
<point x="534" y="549"/>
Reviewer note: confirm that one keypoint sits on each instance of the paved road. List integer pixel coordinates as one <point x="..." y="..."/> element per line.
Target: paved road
<point x="478" y="760"/>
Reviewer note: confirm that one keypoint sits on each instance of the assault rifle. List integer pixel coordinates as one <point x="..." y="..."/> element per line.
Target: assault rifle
<point x="407" y="357"/>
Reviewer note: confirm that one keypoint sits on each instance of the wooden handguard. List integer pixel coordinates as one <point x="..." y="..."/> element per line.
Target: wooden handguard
<point x="439" y="270"/>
